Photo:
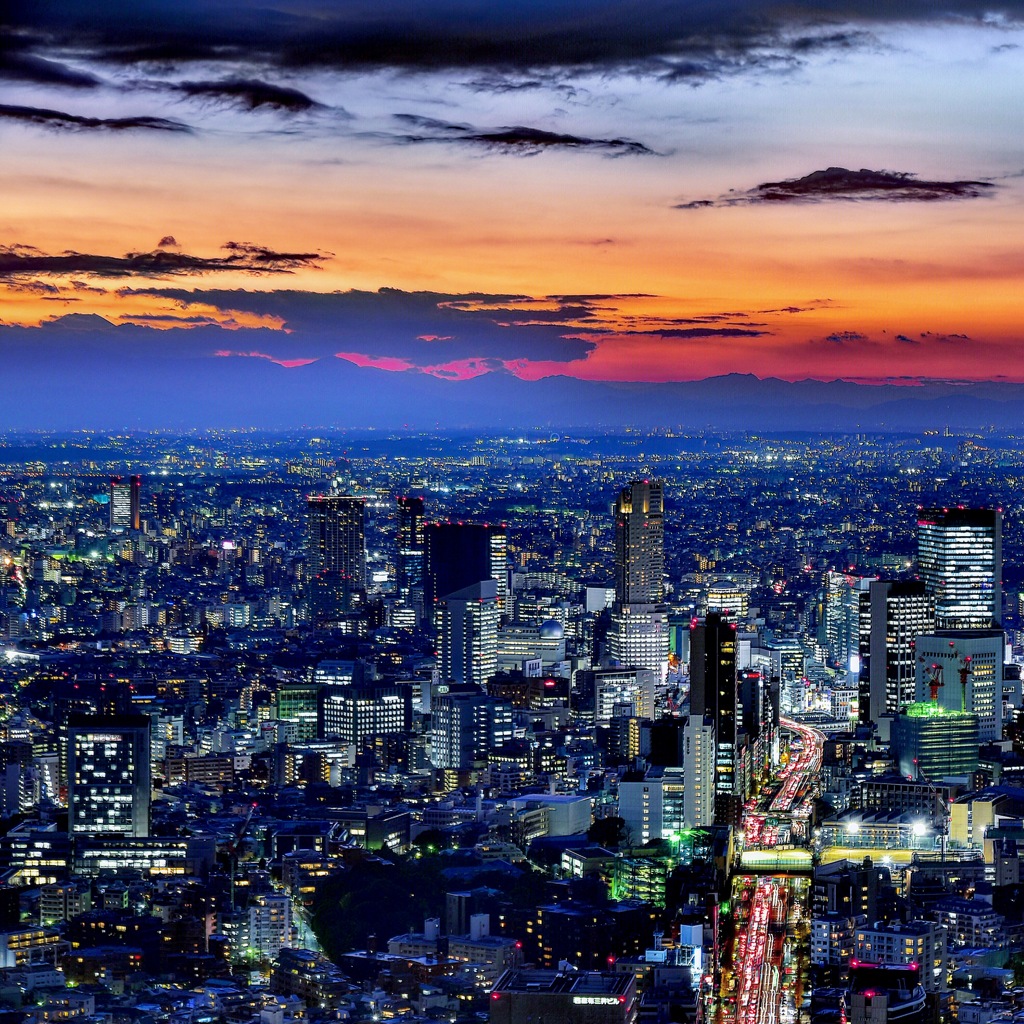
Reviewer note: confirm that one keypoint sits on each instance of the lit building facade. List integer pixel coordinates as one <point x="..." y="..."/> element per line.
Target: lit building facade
<point x="467" y="628"/>
<point x="108" y="775"/>
<point x="336" y="554"/>
<point x="125" y="508"/>
<point x="965" y="667"/>
<point x="713" y="696"/>
<point x="640" y="543"/>
<point x="901" y="611"/>
<point x="933" y="742"/>
<point x="464" y="727"/>
<point x="960" y="560"/>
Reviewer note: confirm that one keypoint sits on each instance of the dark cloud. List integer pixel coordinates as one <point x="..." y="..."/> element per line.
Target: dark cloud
<point x="170" y="319"/>
<point x="699" y="332"/>
<point x="839" y="183"/>
<point x="22" y="260"/>
<point x="517" y="138"/>
<point x="27" y="67"/>
<point x="84" y="286"/>
<point x="903" y="339"/>
<point x="34" y="287"/>
<point x="845" y="337"/>
<point x="74" y="122"/>
<point x="944" y="339"/>
<point x="167" y="240"/>
<point x="422" y="329"/>
<point x="684" y="41"/>
<point x="249" y="93"/>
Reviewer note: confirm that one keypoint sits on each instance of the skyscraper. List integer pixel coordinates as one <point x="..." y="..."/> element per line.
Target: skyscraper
<point x="638" y="637"/>
<point x="960" y="559"/>
<point x="125" y="508"/>
<point x="901" y="611"/>
<point x="640" y="543"/>
<point x="461" y="554"/>
<point x="336" y="554"/>
<point x="713" y="693"/>
<point x="467" y="633"/>
<point x="108" y="774"/>
<point x="964" y="667"/>
<point x="639" y="631"/>
<point x="465" y="726"/>
<point x="411" y="551"/>
<point x="842" y="632"/>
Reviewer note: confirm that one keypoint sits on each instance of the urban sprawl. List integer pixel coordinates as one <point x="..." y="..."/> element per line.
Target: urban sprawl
<point x="644" y="727"/>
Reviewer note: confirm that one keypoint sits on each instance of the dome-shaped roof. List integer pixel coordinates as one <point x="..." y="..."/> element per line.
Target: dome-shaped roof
<point x="552" y="630"/>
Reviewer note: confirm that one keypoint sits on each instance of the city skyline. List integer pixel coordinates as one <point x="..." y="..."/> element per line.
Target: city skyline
<point x="296" y="204"/>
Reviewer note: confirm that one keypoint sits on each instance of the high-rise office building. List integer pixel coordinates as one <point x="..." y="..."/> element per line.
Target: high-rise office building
<point x="108" y="774"/>
<point x="615" y="687"/>
<point x="901" y="611"/>
<point x="297" y="702"/>
<point x="336" y="551"/>
<point x="461" y="554"/>
<point x="844" y="595"/>
<point x="467" y="633"/>
<point x="668" y="799"/>
<point x="964" y="667"/>
<point x="638" y="635"/>
<point x="960" y="560"/>
<point x="125" y="508"/>
<point x="713" y="696"/>
<point x="931" y="742"/>
<point x="355" y="713"/>
<point x="640" y="543"/>
<point x="465" y="726"/>
<point x="411" y="552"/>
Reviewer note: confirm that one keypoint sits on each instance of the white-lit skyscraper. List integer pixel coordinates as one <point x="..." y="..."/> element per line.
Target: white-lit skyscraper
<point x="465" y="726"/>
<point x="108" y="775"/>
<point x="960" y="560"/>
<point x="965" y="668"/>
<point x="901" y="611"/>
<point x="125" y="508"/>
<point x="411" y="552"/>
<point x="467" y="633"/>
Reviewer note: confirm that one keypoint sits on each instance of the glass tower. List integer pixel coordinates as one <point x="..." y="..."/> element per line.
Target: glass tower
<point x="960" y="559"/>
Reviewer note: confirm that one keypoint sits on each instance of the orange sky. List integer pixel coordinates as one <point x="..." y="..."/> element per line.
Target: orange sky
<point x="888" y="289"/>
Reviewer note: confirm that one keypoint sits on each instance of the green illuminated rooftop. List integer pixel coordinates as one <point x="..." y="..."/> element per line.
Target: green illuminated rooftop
<point x="931" y="709"/>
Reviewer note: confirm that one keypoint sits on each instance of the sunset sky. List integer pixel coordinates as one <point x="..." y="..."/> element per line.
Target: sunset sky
<point x="612" y="191"/>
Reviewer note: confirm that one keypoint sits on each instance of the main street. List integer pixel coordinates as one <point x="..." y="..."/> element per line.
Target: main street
<point x="762" y="982"/>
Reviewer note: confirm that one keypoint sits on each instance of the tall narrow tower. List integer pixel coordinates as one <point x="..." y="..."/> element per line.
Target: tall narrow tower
<point x="713" y="692"/>
<point x="125" y="508"/>
<point x="640" y="543"/>
<point x="410" y="544"/>
<point x="336" y="553"/>
<point x="108" y="774"/>
<point x="638" y="634"/>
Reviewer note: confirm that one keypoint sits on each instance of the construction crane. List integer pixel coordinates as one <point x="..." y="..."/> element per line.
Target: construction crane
<point x="934" y="676"/>
<point x="965" y="671"/>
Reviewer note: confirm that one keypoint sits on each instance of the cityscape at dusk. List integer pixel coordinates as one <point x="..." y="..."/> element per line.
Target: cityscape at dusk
<point x="511" y="513"/>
